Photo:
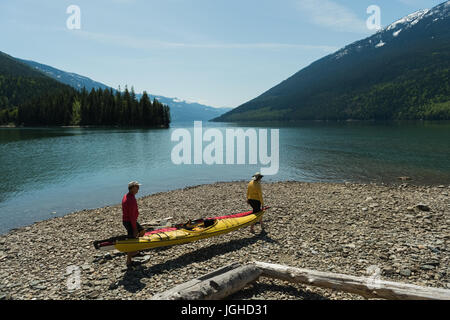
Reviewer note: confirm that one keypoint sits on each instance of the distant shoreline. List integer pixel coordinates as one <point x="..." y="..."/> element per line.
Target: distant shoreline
<point x="267" y="122"/>
<point x="87" y="126"/>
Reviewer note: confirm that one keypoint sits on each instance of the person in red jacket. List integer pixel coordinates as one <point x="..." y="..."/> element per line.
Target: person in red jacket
<point x="130" y="215"/>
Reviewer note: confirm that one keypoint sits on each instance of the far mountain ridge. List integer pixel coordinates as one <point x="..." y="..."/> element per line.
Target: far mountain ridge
<point x="181" y="110"/>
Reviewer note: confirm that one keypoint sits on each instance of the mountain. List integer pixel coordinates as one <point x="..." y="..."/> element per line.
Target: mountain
<point x="30" y="96"/>
<point x="180" y="110"/>
<point x="400" y="72"/>
<point x="19" y="82"/>
<point x="72" y="79"/>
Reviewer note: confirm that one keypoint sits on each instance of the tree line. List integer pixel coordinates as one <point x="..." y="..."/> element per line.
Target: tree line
<point x="99" y="107"/>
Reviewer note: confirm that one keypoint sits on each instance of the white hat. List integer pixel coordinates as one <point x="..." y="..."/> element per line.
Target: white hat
<point x="133" y="183"/>
<point x="257" y="175"/>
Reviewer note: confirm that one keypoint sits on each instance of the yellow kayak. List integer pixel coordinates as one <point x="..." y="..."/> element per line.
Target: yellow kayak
<point x="180" y="234"/>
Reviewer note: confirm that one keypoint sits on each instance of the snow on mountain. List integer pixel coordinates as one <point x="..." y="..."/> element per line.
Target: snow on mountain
<point x="380" y="44"/>
<point x="396" y="33"/>
<point x="396" y="29"/>
<point x="410" y="19"/>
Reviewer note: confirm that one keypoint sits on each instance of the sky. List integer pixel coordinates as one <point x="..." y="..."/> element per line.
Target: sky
<point x="215" y="52"/>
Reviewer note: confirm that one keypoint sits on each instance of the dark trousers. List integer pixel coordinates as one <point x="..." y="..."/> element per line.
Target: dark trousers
<point x="256" y="205"/>
<point x="129" y="227"/>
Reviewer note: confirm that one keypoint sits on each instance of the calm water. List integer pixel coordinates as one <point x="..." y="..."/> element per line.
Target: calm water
<point x="48" y="172"/>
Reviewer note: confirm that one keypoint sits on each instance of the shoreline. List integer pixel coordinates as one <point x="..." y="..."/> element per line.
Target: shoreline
<point x="398" y="183"/>
<point x="337" y="227"/>
<point x="408" y="182"/>
<point x="268" y="122"/>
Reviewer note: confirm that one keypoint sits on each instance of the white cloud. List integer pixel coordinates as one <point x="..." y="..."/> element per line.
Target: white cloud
<point x="124" y="1"/>
<point x="410" y="2"/>
<point x="329" y="14"/>
<point x="142" y="43"/>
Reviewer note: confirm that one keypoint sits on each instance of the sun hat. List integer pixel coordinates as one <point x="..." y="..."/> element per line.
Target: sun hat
<point x="257" y="175"/>
<point x="133" y="183"/>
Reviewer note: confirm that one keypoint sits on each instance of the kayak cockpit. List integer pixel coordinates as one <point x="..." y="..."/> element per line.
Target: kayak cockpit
<point x="198" y="225"/>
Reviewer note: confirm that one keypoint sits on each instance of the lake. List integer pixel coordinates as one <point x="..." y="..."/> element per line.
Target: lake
<point x="49" y="172"/>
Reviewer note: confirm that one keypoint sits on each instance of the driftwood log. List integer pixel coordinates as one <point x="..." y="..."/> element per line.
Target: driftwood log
<point x="215" y="285"/>
<point x="364" y="286"/>
<point x="227" y="280"/>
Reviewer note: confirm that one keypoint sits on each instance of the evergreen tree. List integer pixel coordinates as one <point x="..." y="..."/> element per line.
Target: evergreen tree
<point x="76" y="112"/>
<point x="98" y="107"/>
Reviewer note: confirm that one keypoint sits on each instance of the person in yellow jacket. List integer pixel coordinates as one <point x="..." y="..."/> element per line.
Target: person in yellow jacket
<point x="254" y="196"/>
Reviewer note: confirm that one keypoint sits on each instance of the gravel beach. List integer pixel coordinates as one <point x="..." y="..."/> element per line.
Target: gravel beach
<point x="404" y="230"/>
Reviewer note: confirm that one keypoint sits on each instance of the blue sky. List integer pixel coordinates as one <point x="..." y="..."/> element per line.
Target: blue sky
<point x="216" y="52"/>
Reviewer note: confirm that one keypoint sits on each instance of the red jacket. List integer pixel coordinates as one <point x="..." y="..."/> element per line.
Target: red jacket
<point x="130" y="209"/>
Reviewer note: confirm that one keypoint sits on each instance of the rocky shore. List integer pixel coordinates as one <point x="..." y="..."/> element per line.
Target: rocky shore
<point x="401" y="230"/>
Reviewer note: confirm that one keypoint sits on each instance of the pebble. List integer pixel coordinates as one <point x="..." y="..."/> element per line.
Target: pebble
<point x="427" y="267"/>
<point x="93" y="295"/>
<point x="422" y="207"/>
<point x="405" y="272"/>
<point x="434" y="263"/>
<point x="388" y="271"/>
<point x="40" y="287"/>
<point x="85" y="267"/>
<point x="319" y="226"/>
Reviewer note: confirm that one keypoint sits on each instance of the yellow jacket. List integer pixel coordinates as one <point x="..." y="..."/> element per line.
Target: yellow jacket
<point x="254" y="191"/>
